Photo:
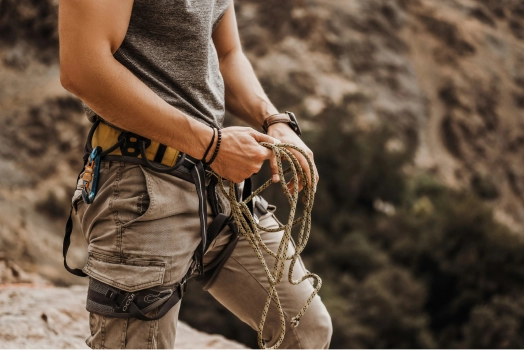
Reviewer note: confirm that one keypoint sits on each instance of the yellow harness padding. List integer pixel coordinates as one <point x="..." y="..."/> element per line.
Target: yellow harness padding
<point x="106" y="136"/>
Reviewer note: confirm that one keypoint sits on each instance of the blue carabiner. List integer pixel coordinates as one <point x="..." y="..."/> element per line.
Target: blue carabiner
<point x="90" y="175"/>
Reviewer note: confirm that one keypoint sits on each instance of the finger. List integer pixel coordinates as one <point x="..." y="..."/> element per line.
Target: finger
<point x="275" y="177"/>
<point x="292" y="187"/>
<point x="317" y="177"/>
<point x="305" y="166"/>
<point x="269" y="154"/>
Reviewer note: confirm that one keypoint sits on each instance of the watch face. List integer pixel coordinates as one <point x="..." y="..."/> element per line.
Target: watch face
<point x="294" y="123"/>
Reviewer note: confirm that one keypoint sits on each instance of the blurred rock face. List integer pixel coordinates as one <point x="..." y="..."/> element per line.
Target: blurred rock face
<point x="446" y="75"/>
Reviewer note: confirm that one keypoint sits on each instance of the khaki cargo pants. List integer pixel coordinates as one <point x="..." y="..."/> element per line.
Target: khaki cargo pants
<point x="142" y="230"/>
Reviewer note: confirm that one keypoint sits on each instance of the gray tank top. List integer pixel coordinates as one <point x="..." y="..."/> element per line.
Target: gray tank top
<point x="168" y="46"/>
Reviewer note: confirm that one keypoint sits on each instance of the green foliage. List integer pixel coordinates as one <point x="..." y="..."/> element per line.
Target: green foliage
<point x="454" y="263"/>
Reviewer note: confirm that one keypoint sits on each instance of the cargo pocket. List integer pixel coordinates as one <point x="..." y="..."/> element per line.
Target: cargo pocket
<point x="128" y="275"/>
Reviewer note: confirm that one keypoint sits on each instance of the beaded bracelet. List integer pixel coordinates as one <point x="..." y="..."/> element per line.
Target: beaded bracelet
<point x="216" y="149"/>
<point x="209" y="147"/>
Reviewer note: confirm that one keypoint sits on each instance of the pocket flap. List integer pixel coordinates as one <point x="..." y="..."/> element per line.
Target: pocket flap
<point x="129" y="275"/>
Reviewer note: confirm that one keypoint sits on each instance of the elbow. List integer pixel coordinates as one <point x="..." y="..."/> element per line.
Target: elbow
<point x="74" y="75"/>
<point x="67" y="82"/>
<point x="69" y="79"/>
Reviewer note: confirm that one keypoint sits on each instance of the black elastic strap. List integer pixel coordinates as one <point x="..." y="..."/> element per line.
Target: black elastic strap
<point x="246" y="192"/>
<point x="160" y="153"/>
<point x="216" y="226"/>
<point x="212" y="196"/>
<point x="117" y="303"/>
<point x="178" y="293"/>
<point x="199" y="178"/>
<point x="159" y="169"/>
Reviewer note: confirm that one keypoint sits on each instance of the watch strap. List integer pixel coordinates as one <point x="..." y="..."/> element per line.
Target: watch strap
<point x="275" y="118"/>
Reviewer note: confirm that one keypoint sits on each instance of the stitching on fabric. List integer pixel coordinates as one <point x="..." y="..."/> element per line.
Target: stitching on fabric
<point x="124" y="333"/>
<point x="103" y="332"/>
<point x="139" y="204"/>
<point x="116" y="194"/>
<point x="149" y="191"/>
<point x="153" y="325"/>
<point x="121" y="286"/>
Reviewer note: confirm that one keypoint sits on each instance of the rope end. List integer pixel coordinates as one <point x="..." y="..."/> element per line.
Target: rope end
<point x="295" y="322"/>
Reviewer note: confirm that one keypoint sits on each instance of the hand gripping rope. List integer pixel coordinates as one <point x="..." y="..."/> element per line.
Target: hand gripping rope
<point x="250" y="230"/>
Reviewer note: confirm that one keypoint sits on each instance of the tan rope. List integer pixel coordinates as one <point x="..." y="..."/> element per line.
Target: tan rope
<point x="250" y="230"/>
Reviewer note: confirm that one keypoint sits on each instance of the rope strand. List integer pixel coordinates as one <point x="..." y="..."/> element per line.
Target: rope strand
<point x="250" y="230"/>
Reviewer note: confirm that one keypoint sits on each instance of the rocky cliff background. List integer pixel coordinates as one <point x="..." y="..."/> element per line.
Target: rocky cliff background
<point x="415" y="111"/>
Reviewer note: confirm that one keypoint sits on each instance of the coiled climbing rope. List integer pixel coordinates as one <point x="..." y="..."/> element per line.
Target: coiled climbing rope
<point x="250" y="229"/>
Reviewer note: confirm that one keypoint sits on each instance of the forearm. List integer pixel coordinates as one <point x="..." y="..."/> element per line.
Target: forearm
<point x="245" y="97"/>
<point x="113" y="92"/>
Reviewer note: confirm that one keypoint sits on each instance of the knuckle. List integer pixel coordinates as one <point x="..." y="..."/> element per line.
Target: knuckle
<point x="261" y="156"/>
<point x="255" y="168"/>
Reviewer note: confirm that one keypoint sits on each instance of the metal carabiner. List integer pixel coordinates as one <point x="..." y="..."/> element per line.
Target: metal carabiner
<point x="90" y="175"/>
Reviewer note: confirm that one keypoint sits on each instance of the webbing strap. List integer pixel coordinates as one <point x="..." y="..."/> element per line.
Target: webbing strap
<point x="160" y="153"/>
<point x="159" y="169"/>
<point x="135" y="312"/>
<point x="109" y="301"/>
<point x="199" y="178"/>
<point x="217" y="225"/>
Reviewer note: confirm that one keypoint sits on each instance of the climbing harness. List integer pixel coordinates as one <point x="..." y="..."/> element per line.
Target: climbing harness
<point x="250" y="229"/>
<point x="246" y="209"/>
<point x="132" y="148"/>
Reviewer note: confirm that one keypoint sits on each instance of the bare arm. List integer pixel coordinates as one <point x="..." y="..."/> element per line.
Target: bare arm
<point x="245" y="97"/>
<point x="90" y="32"/>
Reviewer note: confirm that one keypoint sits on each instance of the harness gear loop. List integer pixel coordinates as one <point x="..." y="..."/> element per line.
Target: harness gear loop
<point x="249" y="228"/>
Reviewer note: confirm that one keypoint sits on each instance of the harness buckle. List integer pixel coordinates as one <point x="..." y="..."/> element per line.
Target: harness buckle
<point x="90" y="175"/>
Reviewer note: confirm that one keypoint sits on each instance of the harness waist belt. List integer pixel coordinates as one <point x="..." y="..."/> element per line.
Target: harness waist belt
<point x="106" y="135"/>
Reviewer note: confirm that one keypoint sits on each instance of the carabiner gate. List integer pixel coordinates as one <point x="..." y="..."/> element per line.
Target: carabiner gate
<point x="90" y="175"/>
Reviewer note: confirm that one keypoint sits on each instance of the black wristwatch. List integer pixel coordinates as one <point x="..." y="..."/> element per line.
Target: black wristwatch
<point x="288" y="118"/>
